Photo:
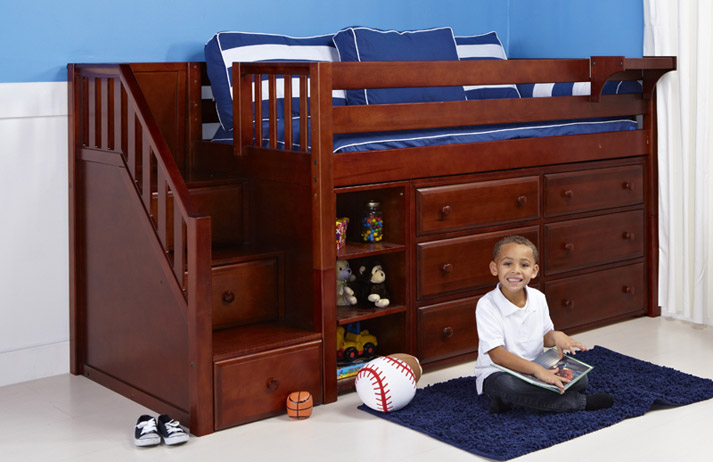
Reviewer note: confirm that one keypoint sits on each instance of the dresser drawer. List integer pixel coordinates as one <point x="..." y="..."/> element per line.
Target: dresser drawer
<point x="593" y="297"/>
<point x="245" y="293"/>
<point x="458" y="264"/>
<point x="593" y="189"/>
<point x="593" y="241"/>
<point x="257" y="386"/>
<point x="447" y="329"/>
<point x="472" y="205"/>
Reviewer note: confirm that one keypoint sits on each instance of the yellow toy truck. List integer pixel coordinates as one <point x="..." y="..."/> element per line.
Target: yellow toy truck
<point x="350" y="345"/>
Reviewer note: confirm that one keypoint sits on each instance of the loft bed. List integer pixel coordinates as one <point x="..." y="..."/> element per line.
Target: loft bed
<point x="203" y="273"/>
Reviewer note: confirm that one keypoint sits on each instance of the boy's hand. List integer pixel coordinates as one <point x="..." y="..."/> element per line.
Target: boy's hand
<point x="550" y="376"/>
<point x="565" y="343"/>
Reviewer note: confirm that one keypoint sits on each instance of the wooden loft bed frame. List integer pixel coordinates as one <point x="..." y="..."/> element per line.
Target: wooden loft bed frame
<point x="202" y="275"/>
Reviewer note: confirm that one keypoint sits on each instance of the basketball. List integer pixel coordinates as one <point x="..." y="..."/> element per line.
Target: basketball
<point x="386" y="384"/>
<point x="299" y="405"/>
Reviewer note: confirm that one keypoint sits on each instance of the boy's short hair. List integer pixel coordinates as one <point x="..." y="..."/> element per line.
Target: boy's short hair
<point x="514" y="239"/>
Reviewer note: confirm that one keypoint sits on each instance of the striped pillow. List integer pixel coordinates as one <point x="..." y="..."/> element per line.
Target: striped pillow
<point x="358" y="44"/>
<point x="484" y="46"/>
<point x="535" y="90"/>
<point x="224" y="48"/>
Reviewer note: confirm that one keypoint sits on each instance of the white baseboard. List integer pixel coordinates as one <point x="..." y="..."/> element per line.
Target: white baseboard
<point x="34" y="363"/>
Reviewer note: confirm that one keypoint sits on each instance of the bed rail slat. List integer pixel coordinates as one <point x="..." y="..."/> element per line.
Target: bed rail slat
<point x="375" y="118"/>
<point x="104" y="103"/>
<point x="454" y="73"/>
<point x="287" y="114"/>
<point x="257" y="85"/>
<point x="272" y="108"/>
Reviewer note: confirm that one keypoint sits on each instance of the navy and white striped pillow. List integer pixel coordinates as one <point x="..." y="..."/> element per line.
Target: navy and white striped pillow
<point x="358" y="44"/>
<point x="484" y="46"/>
<point x="224" y="48"/>
<point x="536" y="90"/>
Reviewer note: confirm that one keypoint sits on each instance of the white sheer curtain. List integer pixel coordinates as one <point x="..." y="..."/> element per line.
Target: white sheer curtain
<point x="682" y="28"/>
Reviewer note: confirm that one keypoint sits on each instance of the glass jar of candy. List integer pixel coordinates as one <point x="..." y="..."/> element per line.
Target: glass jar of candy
<point x="372" y="222"/>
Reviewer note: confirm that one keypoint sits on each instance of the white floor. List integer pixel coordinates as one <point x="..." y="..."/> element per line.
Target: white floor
<point x="71" y="418"/>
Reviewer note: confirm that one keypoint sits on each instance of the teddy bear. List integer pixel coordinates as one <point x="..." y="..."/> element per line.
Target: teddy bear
<point x="345" y="294"/>
<point x="370" y="284"/>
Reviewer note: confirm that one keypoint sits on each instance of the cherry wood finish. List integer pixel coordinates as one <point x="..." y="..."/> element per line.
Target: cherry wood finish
<point x="593" y="189"/>
<point x="447" y="329"/>
<point x="167" y="230"/>
<point x="460" y="263"/>
<point x="471" y="205"/>
<point x="588" y="298"/>
<point x="257" y="386"/>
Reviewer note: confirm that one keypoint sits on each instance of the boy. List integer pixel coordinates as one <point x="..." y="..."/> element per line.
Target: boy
<point x="514" y="326"/>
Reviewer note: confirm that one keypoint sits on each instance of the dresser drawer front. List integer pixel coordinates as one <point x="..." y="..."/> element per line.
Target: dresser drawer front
<point x="447" y="329"/>
<point x="598" y="189"/>
<point x="452" y="265"/>
<point x="472" y="205"/>
<point x="245" y="293"/>
<point x="593" y="241"/>
<point x="257" y="386"/>
<point x="597" y="296"/>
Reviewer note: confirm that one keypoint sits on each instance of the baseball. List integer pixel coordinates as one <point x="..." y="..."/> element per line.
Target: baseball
<point x="386" y="384"/>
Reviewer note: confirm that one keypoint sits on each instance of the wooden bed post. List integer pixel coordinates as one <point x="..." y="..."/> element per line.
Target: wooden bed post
<point x="324" y="212"/>
<point x="76" y="347"/>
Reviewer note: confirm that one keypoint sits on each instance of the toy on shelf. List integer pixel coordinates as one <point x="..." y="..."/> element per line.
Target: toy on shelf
<point x="372" y="222"/>
<point x="370" y="285"/>
<point x="299" y="405"/>
<point x="352" y="344"/>
<point x="342" y="232"/>
<point x="386" y="384"/>
<point x="345" y="294"/>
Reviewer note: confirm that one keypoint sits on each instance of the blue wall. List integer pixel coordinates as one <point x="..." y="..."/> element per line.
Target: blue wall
<point x="576" y="28"/>
<point x="40" y="37"/>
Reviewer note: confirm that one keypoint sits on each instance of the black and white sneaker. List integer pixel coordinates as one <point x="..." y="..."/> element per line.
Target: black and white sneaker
<point x="171" y="430"/>
<point x="145" y="433"/>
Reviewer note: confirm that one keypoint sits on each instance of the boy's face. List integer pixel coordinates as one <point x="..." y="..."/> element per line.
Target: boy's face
<point x="514" y="266"/>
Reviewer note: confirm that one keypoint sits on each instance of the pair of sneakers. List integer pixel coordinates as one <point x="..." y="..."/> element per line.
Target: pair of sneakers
<point x="149" y="431"/>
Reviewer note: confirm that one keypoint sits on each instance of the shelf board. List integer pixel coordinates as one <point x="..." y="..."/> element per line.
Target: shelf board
<point x="256" y="338"/>
<point x="364" y="249"/>
<point x="346" y="315"/>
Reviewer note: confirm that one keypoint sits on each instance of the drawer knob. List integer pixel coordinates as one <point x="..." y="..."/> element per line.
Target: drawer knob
<point x="629" y="186"/>
<point x="569" y="246"/>
<point x="521" y="201"/>
<point x="628" y="290"/>
<point x="228" y="297"/>
<point x="568" y="304"/>
<point x="629" y="236"/>
<point x="568" y="194"/>
<point x="448" y="332"/>
<point x="447" y="268"/>
<point x="272" y="384"/>
<point x="446" y="210"/>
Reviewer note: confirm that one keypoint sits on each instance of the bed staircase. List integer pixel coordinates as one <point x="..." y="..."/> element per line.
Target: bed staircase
<point x="162" y="247"/>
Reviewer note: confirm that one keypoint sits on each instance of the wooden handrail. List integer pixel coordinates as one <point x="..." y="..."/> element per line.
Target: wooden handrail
<point x="118" y="118"/>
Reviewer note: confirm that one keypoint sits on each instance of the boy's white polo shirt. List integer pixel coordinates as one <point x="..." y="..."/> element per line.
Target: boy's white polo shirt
<point x="501" y="323"/>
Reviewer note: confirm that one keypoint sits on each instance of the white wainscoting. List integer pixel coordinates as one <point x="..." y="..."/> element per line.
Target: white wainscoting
<point x="34" y="293"/>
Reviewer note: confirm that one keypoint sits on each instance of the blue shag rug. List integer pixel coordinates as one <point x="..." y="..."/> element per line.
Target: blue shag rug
<point x="453" y="413"/>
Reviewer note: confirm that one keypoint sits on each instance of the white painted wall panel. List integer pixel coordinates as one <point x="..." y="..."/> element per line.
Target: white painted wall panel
<point x="34" y="294"/>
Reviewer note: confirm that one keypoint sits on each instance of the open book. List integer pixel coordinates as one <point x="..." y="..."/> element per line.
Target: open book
<point x="569" y="367"/>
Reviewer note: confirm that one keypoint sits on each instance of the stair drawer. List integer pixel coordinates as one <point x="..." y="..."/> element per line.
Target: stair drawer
<point x="451" y="265"/>
<point x="471" y="205"/>
<point x="580" y="300"/>
<point x="586" y="242"/>
<point x="447" y="329"/>
<point x="246" y="293"/>
<point x="256" y="386"/>
<point x="593" y="189"/>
